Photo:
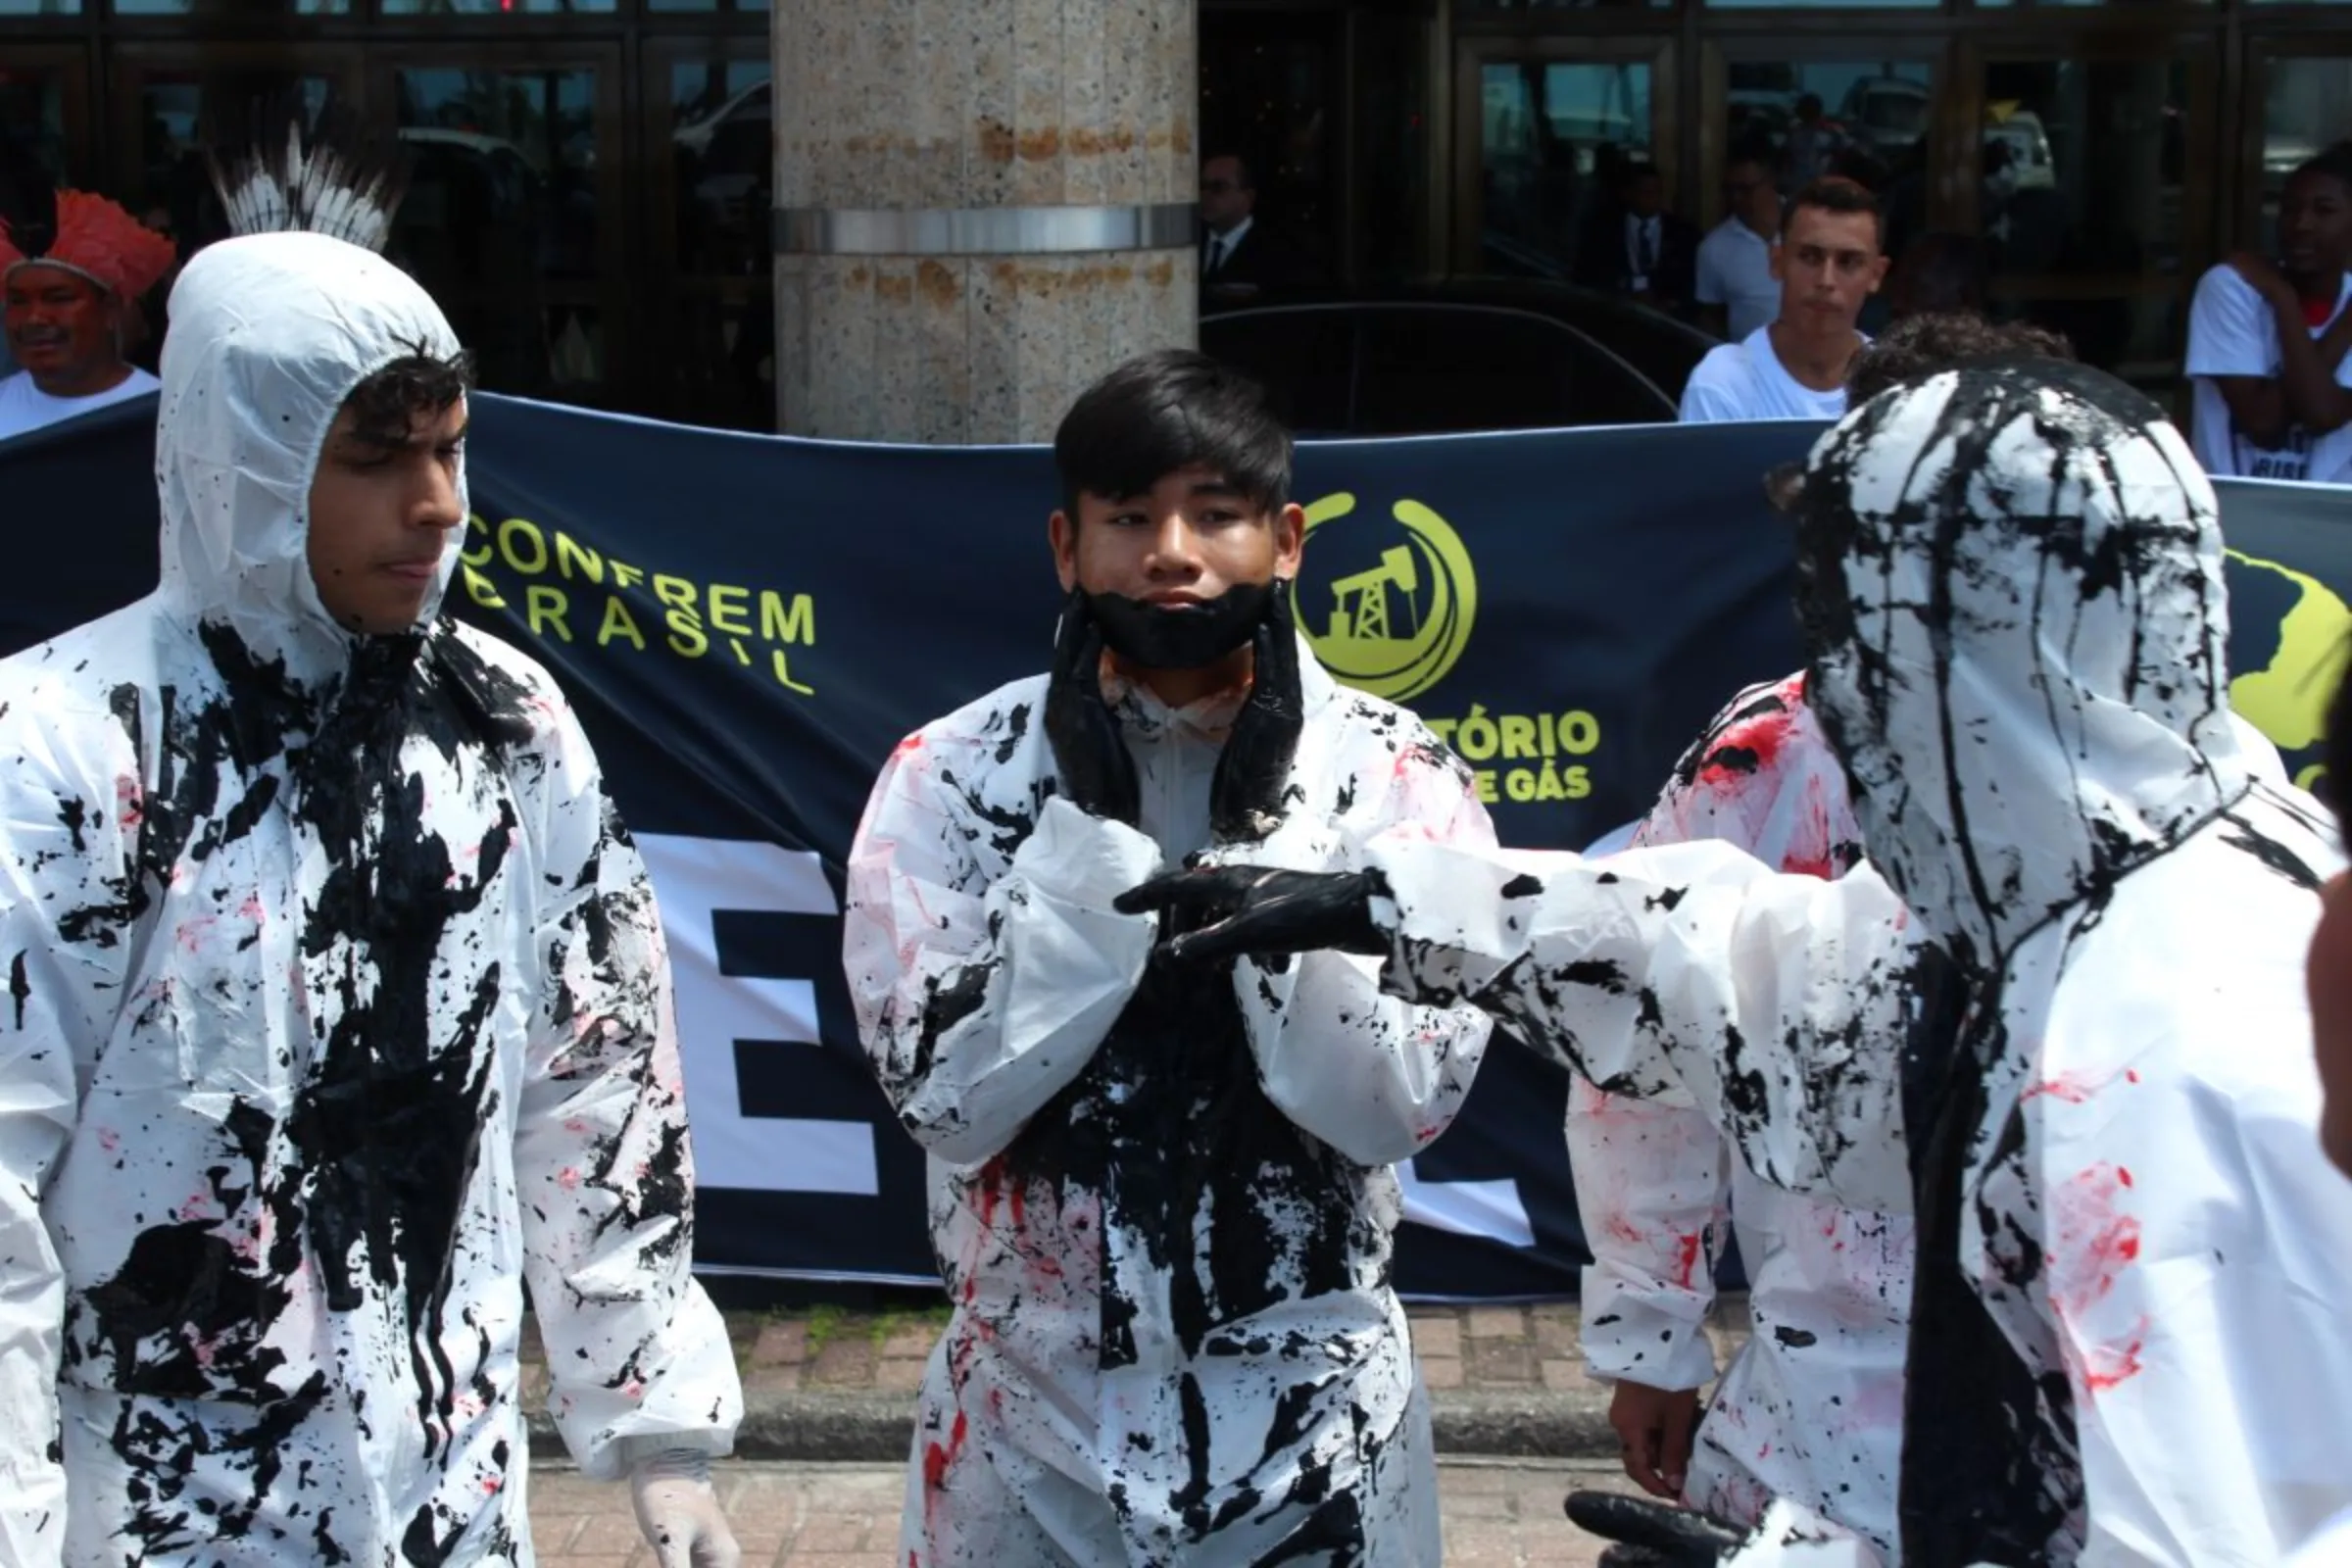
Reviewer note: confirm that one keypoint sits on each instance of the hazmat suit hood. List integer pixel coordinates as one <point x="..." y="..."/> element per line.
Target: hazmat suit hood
<point x="269" y="334"/>
<point x="2012" y="587"/>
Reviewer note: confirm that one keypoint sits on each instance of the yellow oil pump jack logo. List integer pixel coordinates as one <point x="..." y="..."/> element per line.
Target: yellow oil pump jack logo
<point x="1395" y="626"/>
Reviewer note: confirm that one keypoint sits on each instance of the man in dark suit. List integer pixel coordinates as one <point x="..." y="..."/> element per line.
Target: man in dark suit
<point x="1241" y="258"/>
<point x="1636" y="246"/>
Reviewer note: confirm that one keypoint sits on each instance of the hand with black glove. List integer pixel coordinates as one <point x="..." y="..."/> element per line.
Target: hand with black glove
<point x="1662" y="1534"/>
<point x="1090" y="754"/>
<point x="1245" y="802"/>
<point x="1238" y="909"/>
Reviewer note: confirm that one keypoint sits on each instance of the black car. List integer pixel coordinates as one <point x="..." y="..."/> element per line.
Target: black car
<point x="1473" y="354"/>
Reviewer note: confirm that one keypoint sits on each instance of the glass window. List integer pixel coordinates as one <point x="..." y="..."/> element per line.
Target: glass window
<point x="184" y="110"/>
<point x="1392" y="150"/>
<point x="2303" y="111"/>
<point x="32" y="140"/>
<point x="2083" y="174"/>
<point x="477" y="8"/>
<point x="721" y="352"/>
<point x="501" y="220"/>
<point x="1553" y="137"/>
<point x="39" y="7"/>
<point x="1507" y="6"/>
<point x="1864" y="119"/>
<point x="758" y="6"/>
<point x="1268" y="97"/>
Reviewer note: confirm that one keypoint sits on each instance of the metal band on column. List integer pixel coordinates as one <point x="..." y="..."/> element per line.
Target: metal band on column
<point x="982" y="231"/>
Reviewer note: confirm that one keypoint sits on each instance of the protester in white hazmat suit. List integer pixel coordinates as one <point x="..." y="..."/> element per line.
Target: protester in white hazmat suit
<point x="2126" y="1340"/>
<point x="338" y="1008"/>
<point x="1162" y="1203"/>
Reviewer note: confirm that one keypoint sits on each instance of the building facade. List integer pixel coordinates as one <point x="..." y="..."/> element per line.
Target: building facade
<point x="592" y="178"/>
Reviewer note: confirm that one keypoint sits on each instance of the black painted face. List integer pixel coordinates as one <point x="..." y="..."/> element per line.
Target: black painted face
<point x="1187" y="636"/>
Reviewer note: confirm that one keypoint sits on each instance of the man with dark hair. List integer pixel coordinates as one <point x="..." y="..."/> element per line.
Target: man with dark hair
<point x="1243" y="256"/>
<point x="1635" y="246"/>
<point x="2268" y="341"/>
<point x="1163" y="1201"/>
<point x="2129" y="1282"/>
<point x="340" y="1007"/>
<point x="1828" y="264"/>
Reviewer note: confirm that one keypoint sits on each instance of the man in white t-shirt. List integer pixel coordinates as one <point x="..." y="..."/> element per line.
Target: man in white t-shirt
<point x="2268" y="342"/>
<point x="1736" y="280"/>
<point x="1829" y="262"/>
<point x="65" y="310"/>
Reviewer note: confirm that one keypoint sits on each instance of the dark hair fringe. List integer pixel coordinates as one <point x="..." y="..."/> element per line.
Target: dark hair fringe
<point x="1834" y="193"/>
<point x="2335" y="162"/>
<point x="386" y="405"/>
<point x="1167" y="410"/>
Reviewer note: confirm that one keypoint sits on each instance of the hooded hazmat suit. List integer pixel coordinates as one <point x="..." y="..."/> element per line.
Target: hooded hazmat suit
<point x="1812" y="1408"/>
<point x="1161" y="1201"/>
<point x="337" y="1011"/>
<point x="2125" y="1343"/>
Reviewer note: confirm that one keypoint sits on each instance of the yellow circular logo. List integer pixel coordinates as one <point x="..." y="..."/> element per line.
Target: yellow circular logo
<point x="2286" y="696"/>
<point x="1386" y="613"/>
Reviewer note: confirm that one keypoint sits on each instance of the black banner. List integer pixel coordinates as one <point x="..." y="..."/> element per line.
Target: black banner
<point x="748" y="624"/>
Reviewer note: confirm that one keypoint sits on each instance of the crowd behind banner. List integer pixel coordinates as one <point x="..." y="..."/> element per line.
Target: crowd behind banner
<point x="748" y="625"/>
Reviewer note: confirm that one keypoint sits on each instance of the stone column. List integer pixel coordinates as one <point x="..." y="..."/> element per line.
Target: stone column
<point x="981" y="205"/>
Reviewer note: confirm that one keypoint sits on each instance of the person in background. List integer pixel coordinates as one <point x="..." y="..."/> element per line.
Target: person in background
<point x="1735" y="281"/>
<point x="1242" y="256"/>
<point x="1815" y="144"/>
<point x="1828" y="264"/>
<point x="1637" y="247"/>
<point x="2268" y="341"/>
<point x="68" y="311"/>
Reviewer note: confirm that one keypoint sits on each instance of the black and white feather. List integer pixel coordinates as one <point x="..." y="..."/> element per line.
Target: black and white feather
<point x="282" y="188"/>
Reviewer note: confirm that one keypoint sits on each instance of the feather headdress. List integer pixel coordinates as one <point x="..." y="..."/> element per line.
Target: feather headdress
<point x="98" y="241"/>
<point x="282" y="186"/>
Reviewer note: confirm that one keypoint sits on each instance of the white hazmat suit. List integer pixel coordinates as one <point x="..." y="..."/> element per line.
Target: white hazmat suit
<point x="1162" y="1203"/>
<point x="2127" y="1341"/>
<point x="338" y="1010"/>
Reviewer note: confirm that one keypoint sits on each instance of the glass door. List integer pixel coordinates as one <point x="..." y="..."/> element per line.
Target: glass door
<point x="170" y="104"/>
<point x="1542" y="129"/>
<point x="44" y="129"/>
<point x="710" y="184"/>
<point x="2095" y="190"/>
<point x="514" y="217"/>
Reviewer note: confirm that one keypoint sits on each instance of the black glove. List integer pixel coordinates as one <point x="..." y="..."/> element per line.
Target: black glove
<point x="1245" y="801"/>
<point x="1090" y="754"/>
<point x="1677" y="1537"/>
<point x="1241" y="909"/>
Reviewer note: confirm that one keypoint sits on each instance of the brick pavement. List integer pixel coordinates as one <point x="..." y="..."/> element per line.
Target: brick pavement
<point x="1511" y="1348"/>
<point x="1495" y="1515"/>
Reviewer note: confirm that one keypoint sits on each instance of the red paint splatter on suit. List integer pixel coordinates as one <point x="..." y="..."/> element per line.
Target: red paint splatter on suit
<point x="1690" y="1246"/>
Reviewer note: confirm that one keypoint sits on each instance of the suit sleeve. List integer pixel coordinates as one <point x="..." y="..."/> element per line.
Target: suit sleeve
<point x="1687" y="973"/>
<point x="1650" y="1189"/>
<point x="67" y="901"/>
<point x="1372" y="1075"/>
<point x="638" y="1356"/>
<point x="978" y="999"/>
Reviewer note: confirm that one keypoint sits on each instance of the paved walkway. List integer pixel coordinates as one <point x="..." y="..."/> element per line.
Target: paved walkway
<point x="1496" y="1514"/>
<point x="833" y="1384"/>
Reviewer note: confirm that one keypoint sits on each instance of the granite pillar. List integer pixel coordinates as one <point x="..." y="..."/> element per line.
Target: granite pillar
<point x="981" y="205"/>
